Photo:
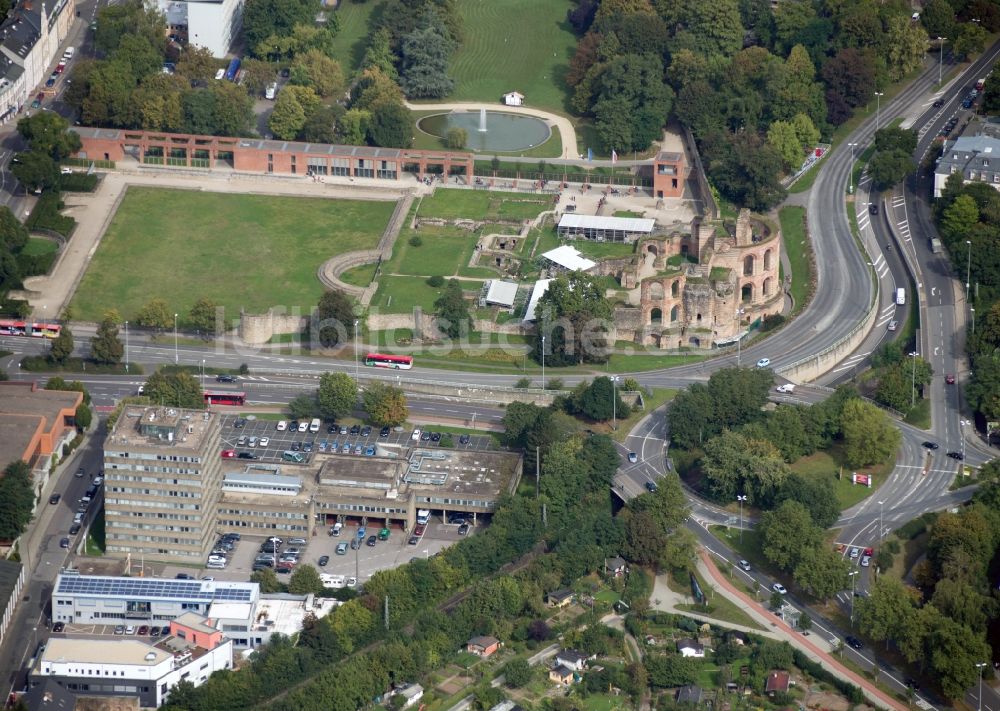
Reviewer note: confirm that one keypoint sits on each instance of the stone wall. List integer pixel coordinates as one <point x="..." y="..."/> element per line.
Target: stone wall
<point x="387" y="322"/>
<point x="257" y="329"/>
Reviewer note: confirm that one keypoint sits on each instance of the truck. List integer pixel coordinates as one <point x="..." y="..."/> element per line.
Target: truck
<point x="787" y="388"/>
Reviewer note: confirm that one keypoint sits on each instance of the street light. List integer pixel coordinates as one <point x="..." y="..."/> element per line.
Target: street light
<point x="357" y="374"/>
<point x="913" y="379"/>
<point x="126" y="347"/>
<point x="878" y="106"/>
<point x="851" y="576"/>
<point x="850" y="188"/>
<point x="980" y="666"/>
<point x="543" y="362"/>
<point x="968" y="268"/>
<point x="175" y="339"/>
<point x="941" y="41"/>
<point x="741" y="498"/>
<point x="973" y="312"/>
<point x="614" y="402"/>
<point x="739" y="336"/>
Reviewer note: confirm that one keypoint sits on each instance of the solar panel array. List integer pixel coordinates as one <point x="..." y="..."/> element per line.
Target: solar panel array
<point x="153" y="588"/>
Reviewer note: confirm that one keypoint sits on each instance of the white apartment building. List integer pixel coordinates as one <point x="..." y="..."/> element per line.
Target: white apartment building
<point x="129" y="667"/>
<point x="214" y="24"/>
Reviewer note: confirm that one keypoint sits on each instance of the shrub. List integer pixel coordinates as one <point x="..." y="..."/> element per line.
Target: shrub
<point x="435" y="281"/>
<point x="78" y="183"/>
<point x="415" y="241"/>
<point x="769" y="323"/>
<point x="523" y="383"/>
<point x="46" y="215"/>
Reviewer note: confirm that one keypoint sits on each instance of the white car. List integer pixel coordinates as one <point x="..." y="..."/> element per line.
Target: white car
<point x="415" y="436"/>
<point x="745" y="564"/>
<point x="633" y="457"/>
<point x="786" y="388"/>
<point x="264" y="441"/>
<point x="763" y="362"/>
<point x="779" y="588"/>
<point x="281" y="426"/>
<point x="98" y="480"/>
<point x="855" y="552"/>
<point x="866" y="561"/>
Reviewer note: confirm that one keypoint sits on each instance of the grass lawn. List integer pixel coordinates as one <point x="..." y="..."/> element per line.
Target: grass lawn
<point x="920" y="415"/>
<point x="444" y="250"/>
<point x="399" y="294"/>
<point x="359" y="276"/>
<point x="514" y="45"/>
<point x="37" y="247"/>
<point x="799" y="253"/>
<point x="717" y="606"/>
<point x="241" y="251"/>
<point x="452" y="204"/>
<point x="602" y="702"/>
<point x="639" y="361"/>
<point x="827" y="463"/>
<point x="350" y="40"/>
<point x="602" y="250"/>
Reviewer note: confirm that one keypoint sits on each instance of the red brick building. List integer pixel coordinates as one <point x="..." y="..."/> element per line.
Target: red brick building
<point x="258" y="155"/>
<point x="669" y="174"/>
<point x="35" y="423"/>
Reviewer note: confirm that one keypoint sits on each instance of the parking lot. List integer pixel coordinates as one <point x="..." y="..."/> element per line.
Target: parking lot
<point x="236" y="429"/>
<point x="361" y="562"/>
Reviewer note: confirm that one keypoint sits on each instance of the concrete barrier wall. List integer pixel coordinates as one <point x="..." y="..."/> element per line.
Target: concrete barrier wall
<point x="257" y="329"/>
<point x="386" y="322"/>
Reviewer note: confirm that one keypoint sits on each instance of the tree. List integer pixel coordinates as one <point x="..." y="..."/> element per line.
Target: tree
<point x="197" y="65"/>
<point x="869" y="436"/>
<point x="257" y="74"/>
<point x="337" y="395"/>
<point x="267" y="579"/>
<point x="573" y="318"/>
<point x="734" y="465"/>
<point x="938" y="18"/>
<point x="894" y="138"/>
<point x="17" y="500"/>
<point x="48" y="132"/>
<point x="787" y="533"/>
<point x="202" y="316"/>
<point x="317" y="71"/>
<point x="631" y="102"/>
<point x="782" y="135"/>
<point x="456" y="138"/>
<point x="379" y="54"/>
<point x="746" y="172"/>
<point x="517" y="673"/>
<point x="62" y="347"/>
<point x="263" y="18"/>
<point x="35" y="170"/>
<point x="971" y="39"/>
<point x="424" y="53"/>
<point x="233" y="113"/>
<point x="288" y="117"/>
<point x="83" y="417"/>
<point x="352" y="128"/>
<point x="817" y="495"/>
<point x="851" y="75"/>
<point x="598" y="401"/>
<point x="303" y="407"/>
<point x="691" y="417"/>
<point x="385" y="404"/>
<point x="174" y="390"/>
<point x="821" y="571"/>
<point x="906" y="44"/>
<point x="959" y="218"/>
<point x="333" y="320"/>
<point x="305" y="579"/>
<point x="105" y="347"/>
<point x="109" y="94"/>
<point x="452" y="311"/>
<point x="155" y="314"/>
<point x="391" y="125"/>
<point x="320" y="126"/>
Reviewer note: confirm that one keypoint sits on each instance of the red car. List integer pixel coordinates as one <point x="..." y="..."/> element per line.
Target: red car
<point x="869" y="552"/>
<point x="419" y="530"/>
<point x="229" y="454"/>
<point x="61" y="67"/>
<point x="950" y="379"/>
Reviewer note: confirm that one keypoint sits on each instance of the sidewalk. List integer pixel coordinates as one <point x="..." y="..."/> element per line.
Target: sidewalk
<point x="813" y="649"/>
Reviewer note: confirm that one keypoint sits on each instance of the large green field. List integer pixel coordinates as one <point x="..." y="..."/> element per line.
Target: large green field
<point x="453" y="204"/>
<point x="249" y="251"/>
<point x="514" y="45"/>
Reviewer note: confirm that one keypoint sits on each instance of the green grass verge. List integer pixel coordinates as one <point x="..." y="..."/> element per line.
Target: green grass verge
<point x="514" y="45"/>
<point x="359" y="276"/>
<point x="800" y="255"/>
<point x="639" y="361"/>
<point x="453" y="204"/>
<point x="827" y="463"/>
<point x="41" y="364"/>
<point x="718" y="606"/>
<point x="920" y="415"/>
<point x="399" y="294"/>
<point x="37" y="247"/>
<point x="602" y="250"/>
<point x="241" y="251"/>
<point x="659" y="398"/>
<point x="351" y="39"/>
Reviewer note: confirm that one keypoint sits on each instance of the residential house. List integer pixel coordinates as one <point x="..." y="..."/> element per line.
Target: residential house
<point x="561" y="674"/>
<point x="412" y="693"/>
<point x="573" y="659"/>
<point x="560" y="598"/>
<point x="691" y="648"/>
<point x="615" y="567"/>
<point x="777" y="681"/>
<point x="49" y="696"/>
<point x="689" y="694"/>
<point x="482" y="646"/>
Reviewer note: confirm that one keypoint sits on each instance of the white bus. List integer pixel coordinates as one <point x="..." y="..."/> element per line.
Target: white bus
<point x="900" y="296"/>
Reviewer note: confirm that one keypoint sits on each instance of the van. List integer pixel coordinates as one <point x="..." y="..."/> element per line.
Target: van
<point x="271" y="91"/>
<point x="900" y="296"/>
<point x="281" y="426"/>
<point x="314" y="425"/>
<point x="423" y="516"/>
<point x="336" y="529"/>
<point x="303" y="426"/>
<point x="68" y="54"/>
<point x="290" y="456"/>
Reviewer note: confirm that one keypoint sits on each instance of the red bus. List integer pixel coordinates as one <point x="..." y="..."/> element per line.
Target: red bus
<point x="28" y="328"/>
<point x="224" y="397"/>
<point x="380" y="360"/>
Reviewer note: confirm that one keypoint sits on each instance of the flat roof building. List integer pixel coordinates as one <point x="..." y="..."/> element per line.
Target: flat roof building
<point x="35" y="424"/>
<point x="162" y="483"/>
<point x="604" y="229"/>
<point x="129" y="667"/>
<point x="500" y="293"/>
<point x="568" y="259"/>
<point x="212" y="24"/>
<point x="537" y="292"/>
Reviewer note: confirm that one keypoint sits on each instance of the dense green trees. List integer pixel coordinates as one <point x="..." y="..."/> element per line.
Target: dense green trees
<point x="17" y="500"/>
<point x="333" y="321"/>
<point x="337" y="395"/>
<point x="385" y="404"/>
<point x="573" y="318"/>
<point x="174" y="390"/>
<point x="452" y="311"/>
<point x="424" y="55"/>
<point x="870" y="436"/>
<point x="61" y="347"/>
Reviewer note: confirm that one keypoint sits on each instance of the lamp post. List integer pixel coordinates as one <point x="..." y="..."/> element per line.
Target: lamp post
<point x="741" y="498"/>
<point x="851" y="576"/>
<point x="968" y="268"/>
<point x="878" y="106"/>
<point x="543" y="362"/>
<point x="850" y="188"/>
<point x="913" y="379"/>
<point x="941" y="41"/>
<point x="739" y="336"/>
<point x="973" y="312"/>
<point x="980" y="666"/>
<point x="614" y="402"/>
<point x="880" y="503"/>
<point x="126" y="347"/>
<point x="357" y="373"/>
<point x="175" y="339"/>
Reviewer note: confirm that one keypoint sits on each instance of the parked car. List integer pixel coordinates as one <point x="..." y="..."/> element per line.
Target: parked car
<point x="342" y="548"/>
<point x="323" y="560"/>
<point x="80" y="473"/>
<point x="119" y="629"/>
<point x="416" y="435"/>
<point x="54" y="499"/>
<point x="369" y="451"/>
<point x="143" y="630"/>
<point x="129" y="629"/>
<point x="183" y="576"/>
<point x="355" y="430"/>
<point x="64" y="542"/>
<point x="74" y="529"/>
<point x="264" y="441"/>
<point x="463" y="529"/>
<point x="855" y="552"/>
<point x="865" y="561"/>
<point x="413" y="540"/>
<point x="384" y="432"/>
<point x="59" y="627"/>
<point x="37" y="102"/>
<point x="372" y="540"/>
<point x="366" y="431"/>
<point x="464" y="439"/>
<point x="651" y="487"/>
<point x="419" y="530"/>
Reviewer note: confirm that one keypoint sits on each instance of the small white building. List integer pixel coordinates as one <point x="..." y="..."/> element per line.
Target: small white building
<point x="128" y="667"/>
<point x="500" y="293"/>
<point x="513" y="98"/>
<point x="412" y="693"/>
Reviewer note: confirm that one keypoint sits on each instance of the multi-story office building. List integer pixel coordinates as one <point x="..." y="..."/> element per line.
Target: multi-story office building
<point x="162" y="483"/>
<point x="213" y="24"/>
